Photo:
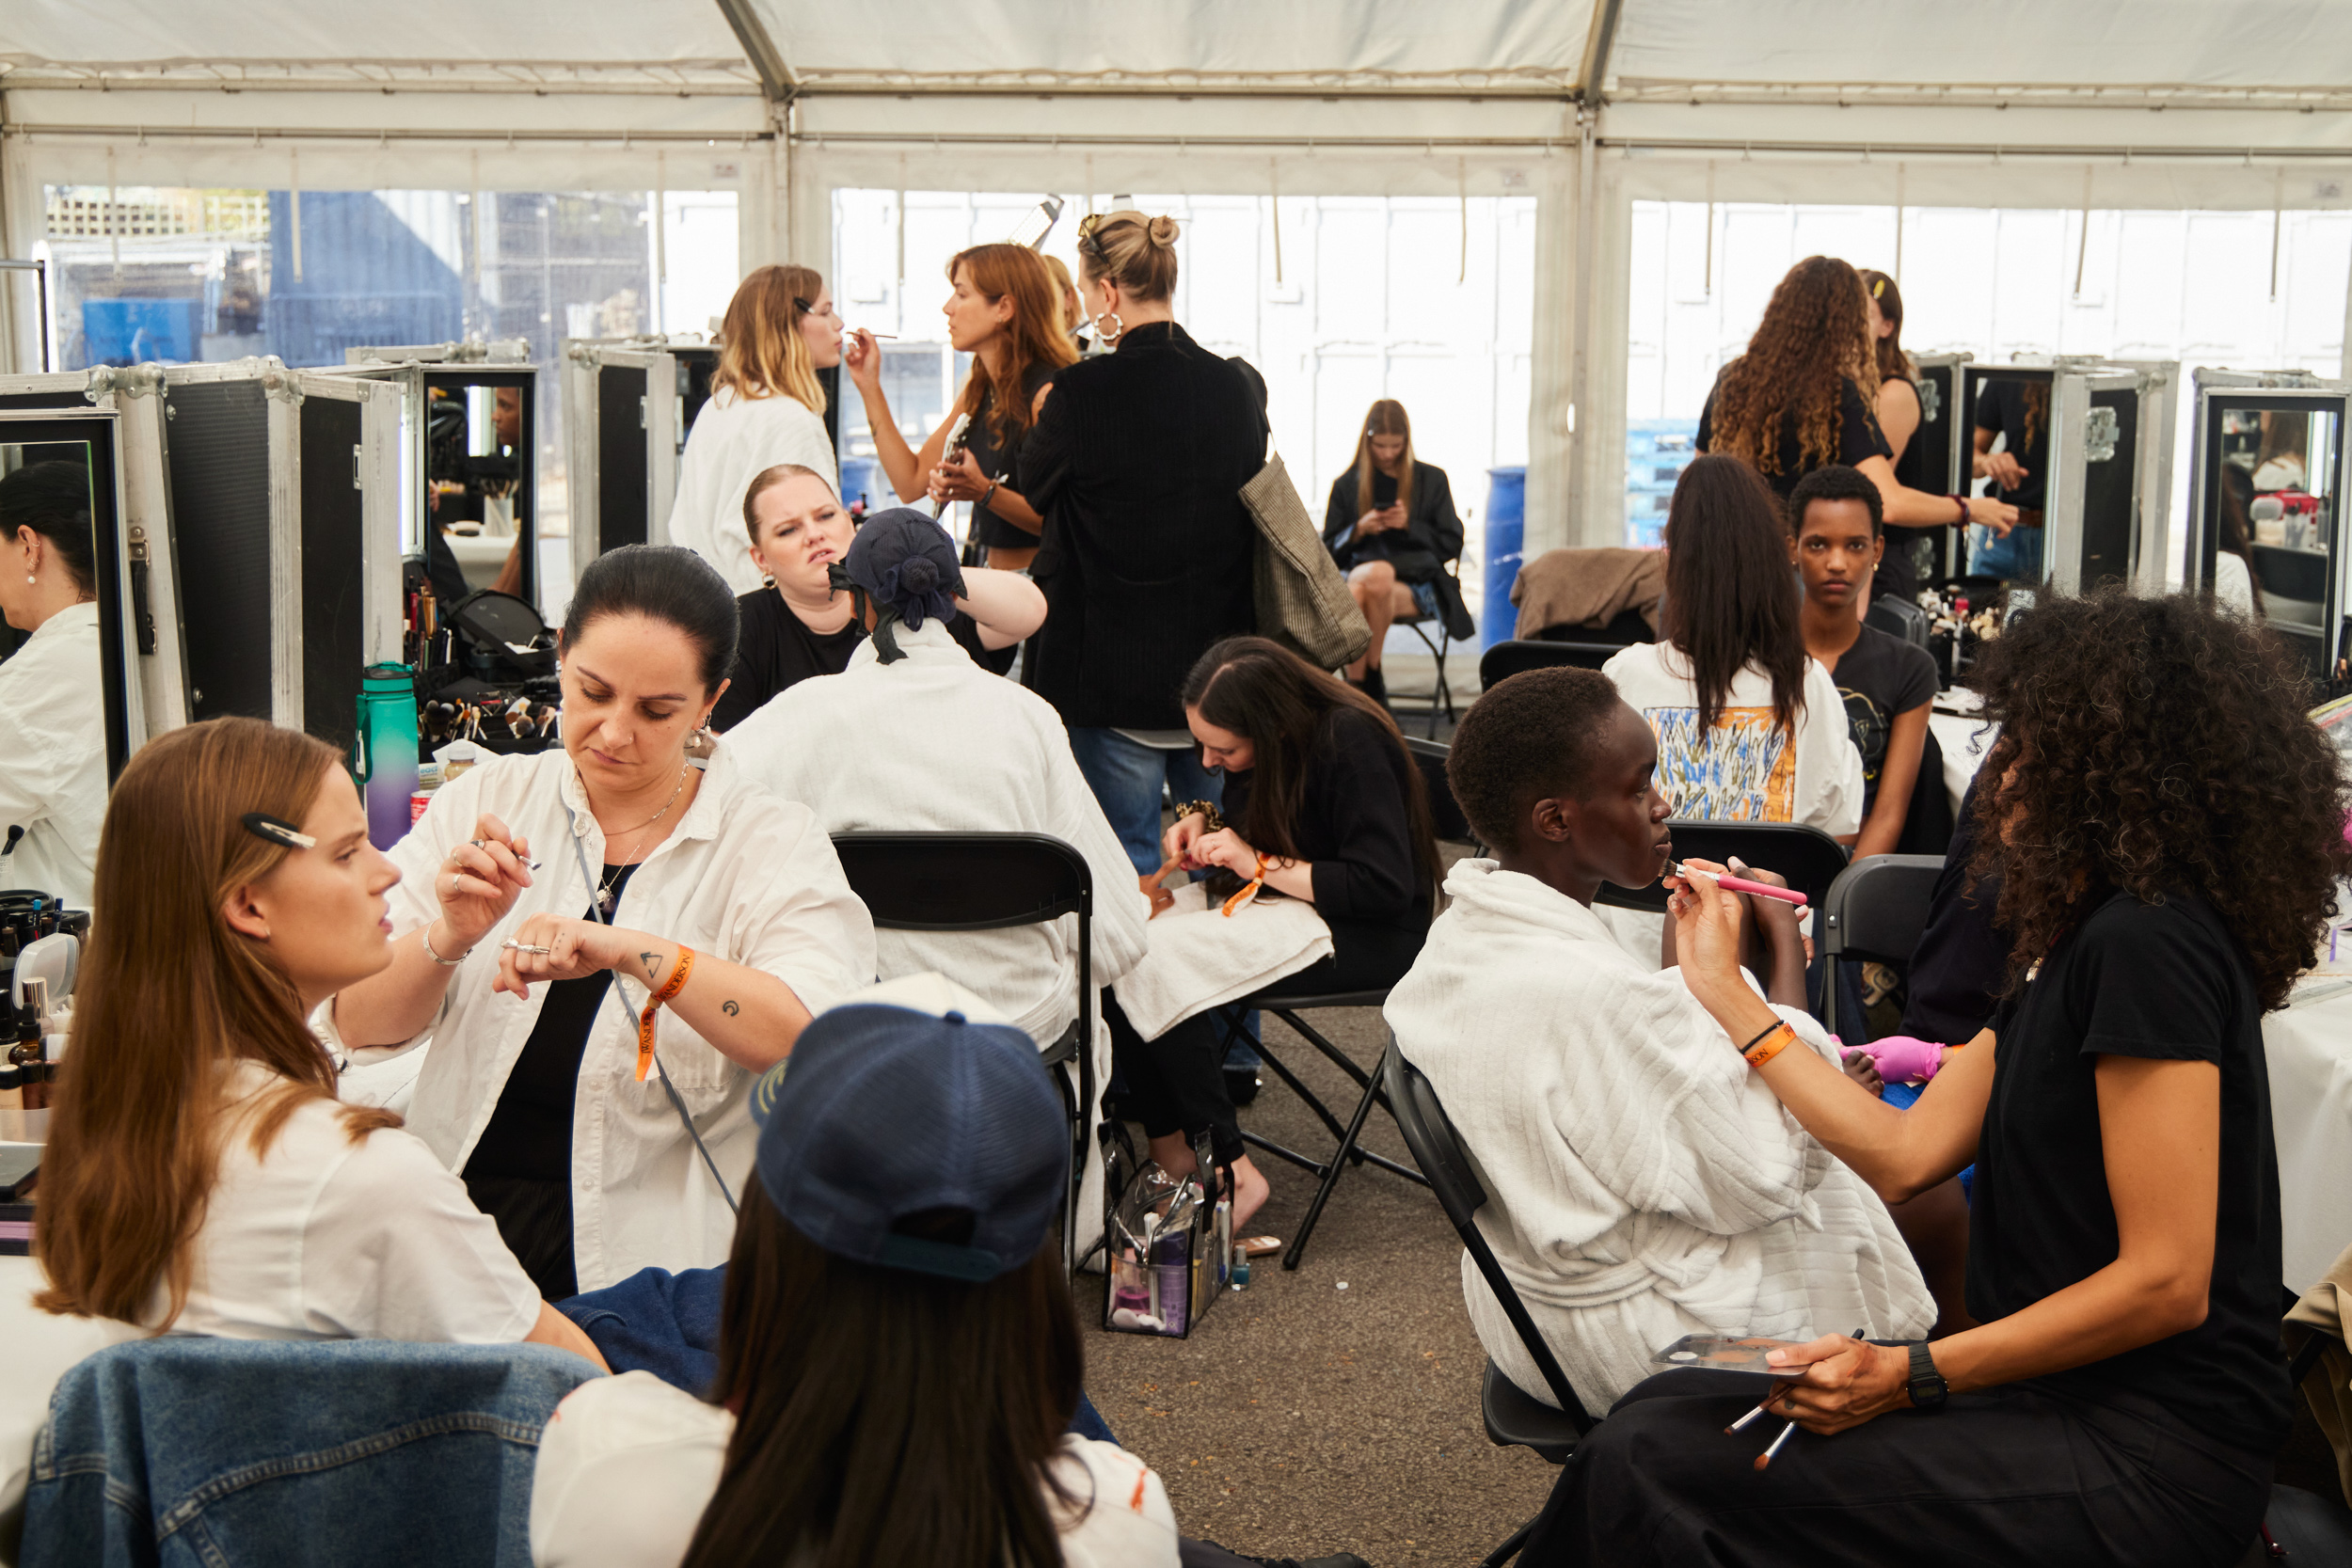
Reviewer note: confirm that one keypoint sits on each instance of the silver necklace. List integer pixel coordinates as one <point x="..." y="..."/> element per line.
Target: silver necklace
<point x="606" y="897"/>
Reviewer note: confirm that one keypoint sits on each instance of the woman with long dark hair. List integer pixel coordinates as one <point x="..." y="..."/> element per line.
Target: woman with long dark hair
<point x="1322" y="804"/>
<point x="1749" y="728"/>
<point x="898" y="1360"/>
<point x="1391" y="527"/>
<point x="1004" y="312"/>
<point x="201" y="1177"/>
<point x="1804" y="394"/>
<point x="2168" y="828"/>
<point x="766" y="406"/>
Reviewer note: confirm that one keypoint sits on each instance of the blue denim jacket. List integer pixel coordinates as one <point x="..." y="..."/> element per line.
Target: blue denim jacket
<point x="236" y="1453"/>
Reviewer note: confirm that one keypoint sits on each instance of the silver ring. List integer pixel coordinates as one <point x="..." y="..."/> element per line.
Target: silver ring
<point x="524" y="946"/>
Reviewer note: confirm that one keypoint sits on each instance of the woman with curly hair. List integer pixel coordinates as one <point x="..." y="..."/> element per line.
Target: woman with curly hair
<point x="1803" y="396"/>
<point x="2169" y="829"/>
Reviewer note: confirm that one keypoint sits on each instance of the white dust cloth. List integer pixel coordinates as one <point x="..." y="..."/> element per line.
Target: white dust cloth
<point x="1196" y="959"/>
<point x="1747" y="769"/>
<point x="933" y="743"/>
<point x="1647" y="1184"/>
<point x="627" y="1463"/>
<point x="745" y="878"/>
<point x="53" y="767"/>
<point x="734" y="440"/>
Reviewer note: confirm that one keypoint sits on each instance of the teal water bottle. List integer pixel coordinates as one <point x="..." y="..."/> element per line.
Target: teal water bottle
<point x="384" y="752"/>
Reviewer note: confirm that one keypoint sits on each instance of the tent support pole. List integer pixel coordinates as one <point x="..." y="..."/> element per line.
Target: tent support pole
<point x="1579" y="416"/>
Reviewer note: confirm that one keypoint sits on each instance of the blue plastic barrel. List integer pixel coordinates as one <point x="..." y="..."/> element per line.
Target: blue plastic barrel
<point x="1507" y="533"/>
<point x="863" y="476"/>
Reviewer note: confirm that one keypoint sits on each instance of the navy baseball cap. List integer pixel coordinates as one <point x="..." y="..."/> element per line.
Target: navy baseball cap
<point x="900" y="1102"/>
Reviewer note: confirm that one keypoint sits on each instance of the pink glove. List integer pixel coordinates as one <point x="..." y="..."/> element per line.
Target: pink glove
<point x="1905" y="1058"/>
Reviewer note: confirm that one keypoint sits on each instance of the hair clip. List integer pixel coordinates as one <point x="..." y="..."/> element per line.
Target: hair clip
<point x="262" y="825"/>
<point x="1878" y="290"/>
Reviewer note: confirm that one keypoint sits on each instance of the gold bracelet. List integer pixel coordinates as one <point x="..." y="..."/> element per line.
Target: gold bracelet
<point x="1202" y="808"/>
<point x="1768" y="1044"/>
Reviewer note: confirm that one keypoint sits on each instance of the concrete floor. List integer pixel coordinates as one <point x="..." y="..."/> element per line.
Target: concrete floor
<point x="1335" y="1408"/>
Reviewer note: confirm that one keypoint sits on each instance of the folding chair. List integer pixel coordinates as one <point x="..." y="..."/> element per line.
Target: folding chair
<point x="938" y="881"/>
<point x="1448" y="824"/>
<point x="1808" y="857"/>
<point x="1876" y="908"/>
<point x="1441" y="699"/>
<point x="1514" y="1417"/>
<point x="1505" y="659"/>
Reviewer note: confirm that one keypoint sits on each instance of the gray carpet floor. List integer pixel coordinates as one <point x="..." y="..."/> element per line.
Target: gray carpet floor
<point x="1334" y="1408"/>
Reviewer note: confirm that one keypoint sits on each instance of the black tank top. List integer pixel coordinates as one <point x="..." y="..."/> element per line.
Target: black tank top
<point x="1910" y="468"/>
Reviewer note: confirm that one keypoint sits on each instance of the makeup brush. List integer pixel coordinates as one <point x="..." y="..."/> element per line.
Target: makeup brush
<point x="1765" y="1458"/>
<point x="1741" y="884"/>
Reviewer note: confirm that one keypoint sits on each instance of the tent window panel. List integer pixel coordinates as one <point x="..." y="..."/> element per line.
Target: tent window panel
<point x="1375" y="301"/>
<point x="2192" y="286"/>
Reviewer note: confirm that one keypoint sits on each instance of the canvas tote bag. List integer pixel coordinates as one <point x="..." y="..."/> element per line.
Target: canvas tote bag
<point x="1301" y="595"/>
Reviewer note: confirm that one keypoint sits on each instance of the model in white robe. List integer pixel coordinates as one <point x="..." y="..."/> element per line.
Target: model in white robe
<point x="1645" y="1182"/>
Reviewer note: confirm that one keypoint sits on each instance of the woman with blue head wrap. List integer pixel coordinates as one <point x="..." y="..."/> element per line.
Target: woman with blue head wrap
<point x="905" y="565"/>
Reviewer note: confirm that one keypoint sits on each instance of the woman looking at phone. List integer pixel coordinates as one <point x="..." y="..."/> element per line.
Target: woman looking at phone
<point x="1391" y="527"/>
<point x="1003" y="312"/>
<point x="2166" y="868"/>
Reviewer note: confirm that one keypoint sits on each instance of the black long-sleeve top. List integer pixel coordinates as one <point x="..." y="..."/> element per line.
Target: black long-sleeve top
<point x="1354" y="824"/>
<point x="1432" y="535"/>
<point x="1148" y="554"/>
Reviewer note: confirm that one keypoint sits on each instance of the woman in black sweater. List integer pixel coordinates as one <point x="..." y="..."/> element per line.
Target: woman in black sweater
<point x="1136" y="463"/>
<point x="1323" y="803"/>
<point x="1391" y="527"/>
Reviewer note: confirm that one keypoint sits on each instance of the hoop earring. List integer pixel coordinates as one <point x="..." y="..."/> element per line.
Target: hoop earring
<point x="1108" y="336"/>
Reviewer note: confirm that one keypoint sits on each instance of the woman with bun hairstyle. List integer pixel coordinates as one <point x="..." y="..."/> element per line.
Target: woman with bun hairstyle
<point x="1005" y="313"/>
<point x="1137" y="462"/>
<point x="1805" y="394"/>
<point x="766" y="407"/>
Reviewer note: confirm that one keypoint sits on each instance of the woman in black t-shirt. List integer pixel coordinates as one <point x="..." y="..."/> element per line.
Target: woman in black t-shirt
<point x="1802" y="395"/>
<point x="1006" y="313"/>
<point x="1391" y="527"/>
<point x="1899" y="412"/>
<point x="2169" y="829"/>
<point x="801" y="624"/>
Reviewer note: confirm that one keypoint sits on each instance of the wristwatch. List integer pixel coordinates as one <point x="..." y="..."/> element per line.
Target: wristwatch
<point x="1927" y="1388"/>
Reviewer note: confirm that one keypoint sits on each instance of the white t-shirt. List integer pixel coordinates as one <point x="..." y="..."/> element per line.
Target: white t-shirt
<point x="1746" y="769"/>
<point x="327" y="1237"/>
<point x="627" y="1463"/>
<point x="734" y="440"/>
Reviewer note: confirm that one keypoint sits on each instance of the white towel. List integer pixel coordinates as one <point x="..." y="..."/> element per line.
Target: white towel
<point x="1195" y="959"/>
<point x="1647" y="1184"/>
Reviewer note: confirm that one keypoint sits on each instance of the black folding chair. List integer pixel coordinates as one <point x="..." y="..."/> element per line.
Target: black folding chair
<point x="1441" y="697"/>
<point x="1514" y="1417"/>
<point x="1505" y="659"/>
<point x="1876" y="908"/>
<point x="935" y="881"/>
<point x="1448" y="824"/>
<point x="1808" y="857"/>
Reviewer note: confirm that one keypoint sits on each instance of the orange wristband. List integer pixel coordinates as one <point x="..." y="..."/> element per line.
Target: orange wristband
<point x="670" y="988"/>
<point x="1770" y="1044"/>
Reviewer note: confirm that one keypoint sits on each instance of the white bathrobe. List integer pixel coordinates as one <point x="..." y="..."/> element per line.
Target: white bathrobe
<point x="1645" y="1182"/>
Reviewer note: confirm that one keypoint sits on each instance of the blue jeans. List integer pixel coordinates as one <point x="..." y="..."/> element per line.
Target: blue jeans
<point x="1126" y="777"/>
<point x="349" y="1453"/>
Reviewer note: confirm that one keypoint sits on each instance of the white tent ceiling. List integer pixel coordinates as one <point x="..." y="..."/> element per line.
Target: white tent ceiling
<point x="2163" y="103"/>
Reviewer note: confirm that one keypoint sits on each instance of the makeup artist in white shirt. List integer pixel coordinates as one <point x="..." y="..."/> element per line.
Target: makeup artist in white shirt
<point x="725" y="904"/>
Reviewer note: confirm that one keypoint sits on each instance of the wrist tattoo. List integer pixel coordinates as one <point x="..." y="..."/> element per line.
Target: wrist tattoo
<point x="730" y="1008"/>
<point x="653" y="964"/>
